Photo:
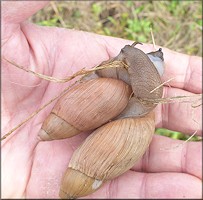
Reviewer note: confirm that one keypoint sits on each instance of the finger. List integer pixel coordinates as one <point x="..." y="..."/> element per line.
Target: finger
<point x="169" y="155"/>
<point x="150" y="185"/>
<point x="180" y="116"/>
<point x="186" y="70"/>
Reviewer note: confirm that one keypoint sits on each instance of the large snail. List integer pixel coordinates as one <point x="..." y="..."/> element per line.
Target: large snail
<point x="107" y="97"/>
<point x="97" y="101"/>
<point x="124" y="123"/>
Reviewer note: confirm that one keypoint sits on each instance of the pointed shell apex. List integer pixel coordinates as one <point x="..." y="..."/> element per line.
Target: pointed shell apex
<point x="76" y="184"/>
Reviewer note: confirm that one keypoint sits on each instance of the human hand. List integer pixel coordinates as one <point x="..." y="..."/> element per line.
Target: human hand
<point x="34" y="169"/>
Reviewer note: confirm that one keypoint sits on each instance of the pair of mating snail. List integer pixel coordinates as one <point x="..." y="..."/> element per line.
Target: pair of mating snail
<point x="124" y="122"/>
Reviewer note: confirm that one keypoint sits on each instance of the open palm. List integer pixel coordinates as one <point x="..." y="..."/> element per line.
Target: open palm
<point x="34" y="169"/>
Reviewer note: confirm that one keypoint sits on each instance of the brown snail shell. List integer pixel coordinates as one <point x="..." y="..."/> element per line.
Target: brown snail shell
<point x="86" y="107"/>
<point x="107" y="153"/>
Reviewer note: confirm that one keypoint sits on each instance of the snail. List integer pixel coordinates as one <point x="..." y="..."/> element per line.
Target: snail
<point x="102" y="99"/>
<point x="113" y="148"/>
<point x="124" y="123"/>
<point x="108" y="152"/>
<point x="97" y="101"/>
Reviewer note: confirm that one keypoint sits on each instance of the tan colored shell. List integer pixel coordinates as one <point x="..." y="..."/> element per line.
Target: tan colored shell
<point x="107" y="153"/>
<point x="86" y="107"/>
<point x="78" y="184"/>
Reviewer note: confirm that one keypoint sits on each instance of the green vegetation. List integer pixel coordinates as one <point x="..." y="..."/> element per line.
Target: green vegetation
<point x="176" y="135"/>
<point x="176" y="25"/>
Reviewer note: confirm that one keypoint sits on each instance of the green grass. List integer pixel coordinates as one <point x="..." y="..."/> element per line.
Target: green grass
<point x="176" y="135"/>
<point x="176" y="25"/>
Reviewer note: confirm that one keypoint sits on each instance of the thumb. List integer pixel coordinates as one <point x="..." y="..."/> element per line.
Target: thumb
<point x="15" y="12"/>
<point x="19" y="11"/>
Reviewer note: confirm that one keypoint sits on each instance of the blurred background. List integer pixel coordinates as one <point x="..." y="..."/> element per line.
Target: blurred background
<point x="176" y="25"/>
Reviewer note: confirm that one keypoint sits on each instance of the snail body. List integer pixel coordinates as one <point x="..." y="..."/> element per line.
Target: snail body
<point x="142" y="73"/>
<point x="128" y="55"/>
